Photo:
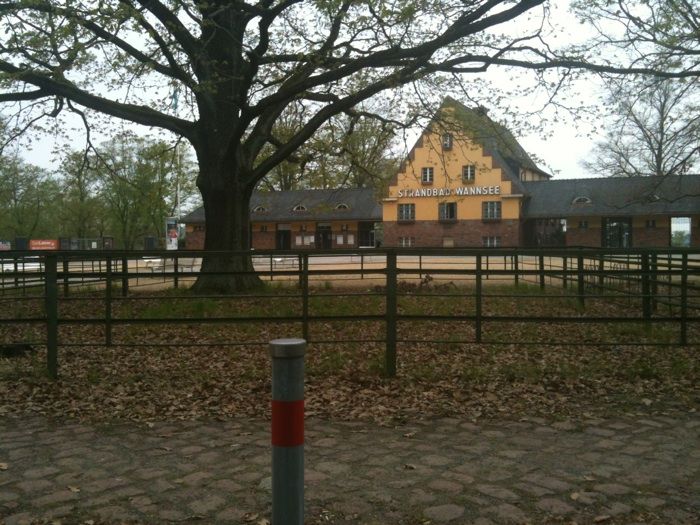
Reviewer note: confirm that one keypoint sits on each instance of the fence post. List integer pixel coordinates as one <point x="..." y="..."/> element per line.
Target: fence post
<point x="51" y="297"/>
<point x="391" y="307"/>
<point x="271" y="258"/>
<point x="565" y="275"/>
<point x="299" y="267"/>
<point x="125" y="276"/>
<point x="176" y="280"/>
<point x="516" y="259"/>
<point x="477" y="298"/>
<point x="541" y="268"/>
<point x="601" y="271"/>
<point x="287" y="431"/>
<point x="362" y="265"/>
<point x="646" y="289"/>
<point x="684" y="299"/>
<point x="654" y="282"/>
<point x="108" y="303"/>
<point x="65" y="276"/>
<point x="305" y="296"/>
<point x="581" y="285"/>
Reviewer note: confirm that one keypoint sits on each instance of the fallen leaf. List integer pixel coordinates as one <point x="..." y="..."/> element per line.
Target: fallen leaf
<point x="409" y="434"/>
<point x="3" y="466"/>
<point x="574" y="496"/>
<point x="73" y="488"/>
<point x="408" y="466"/>
<point x="601" y="518"/>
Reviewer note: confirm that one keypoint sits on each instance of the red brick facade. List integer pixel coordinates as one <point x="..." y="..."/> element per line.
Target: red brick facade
<point x="461" y="233"/>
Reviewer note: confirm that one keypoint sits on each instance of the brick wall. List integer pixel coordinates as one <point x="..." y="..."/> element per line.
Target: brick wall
<point x="590" y="237"/>
<point x="659" y="237"/>
<point x="264" y="240"/>
<point x="194" y="239"/>
<point x="695" y="231"/>
<point x="464" y="233"/>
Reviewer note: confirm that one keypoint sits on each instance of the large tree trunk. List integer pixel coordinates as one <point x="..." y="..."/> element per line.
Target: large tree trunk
<point x="226" y="209"/>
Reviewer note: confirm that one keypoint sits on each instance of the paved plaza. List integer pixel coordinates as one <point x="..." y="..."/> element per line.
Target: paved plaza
<point x="628" y="469"/>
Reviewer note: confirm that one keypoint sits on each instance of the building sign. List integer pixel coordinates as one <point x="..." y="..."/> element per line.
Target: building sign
<point x="171" y="233"/>
<point x="5" y="246"/>
<point x="461" y="191"/>
<point x="43" y="244"/>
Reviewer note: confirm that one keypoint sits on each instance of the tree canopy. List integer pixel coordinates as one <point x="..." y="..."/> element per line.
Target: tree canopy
<point x="222" y="73"/>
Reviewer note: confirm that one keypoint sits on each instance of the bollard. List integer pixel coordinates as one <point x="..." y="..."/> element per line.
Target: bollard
<point x="287" y="431"/>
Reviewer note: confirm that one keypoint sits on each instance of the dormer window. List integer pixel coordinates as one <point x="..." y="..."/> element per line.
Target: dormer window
<point x="300" y="207"/>
<point x="581" y="201"/>
<point x="447" y="140"/>
<point x="259" y="209"/>
<point x="342" y="206"/>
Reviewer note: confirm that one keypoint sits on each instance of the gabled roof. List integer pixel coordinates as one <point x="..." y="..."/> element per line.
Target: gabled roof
<point x="671" y="195"/>
<point x="353" y="204"/>
<point x="492" y="135"/>
<point x="496" y="140"/>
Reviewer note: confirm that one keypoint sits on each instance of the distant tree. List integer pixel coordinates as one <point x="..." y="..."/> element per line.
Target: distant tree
<point x="655" y="129"/>
<point x="29" y="200"/>
<point x="138" y="180"/>
<point x="83" y="212"/>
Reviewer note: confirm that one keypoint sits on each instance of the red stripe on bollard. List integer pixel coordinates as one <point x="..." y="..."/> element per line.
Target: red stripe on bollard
<point x="287" y="423"/>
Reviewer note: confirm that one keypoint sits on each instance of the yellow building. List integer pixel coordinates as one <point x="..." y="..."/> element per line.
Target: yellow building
<point x="461" y="184"/>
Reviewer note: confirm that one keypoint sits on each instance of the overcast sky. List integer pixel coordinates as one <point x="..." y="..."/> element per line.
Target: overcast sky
<point x="560" y="147"/>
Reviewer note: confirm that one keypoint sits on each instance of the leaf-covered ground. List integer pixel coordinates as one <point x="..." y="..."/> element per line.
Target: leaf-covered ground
<point x="346" y="380"/>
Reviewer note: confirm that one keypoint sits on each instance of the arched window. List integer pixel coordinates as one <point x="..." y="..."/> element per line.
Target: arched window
<point x="259" y="209"/>
<point x="581" y="200"/>
<point x="342" y="206"/>
<point x="299" y="207"/>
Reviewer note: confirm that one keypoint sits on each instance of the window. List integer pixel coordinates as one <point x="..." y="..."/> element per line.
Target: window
<point x="680" y="231"/>
<point x="299" y="207"/>
<point x="491" y="210"/>
<point x="447" y="211"/>
<point x="426" y="175"/>
<point x="342" y="206"/>
<point x="491" y="242"/>
<point x="581" y="201"/>
<point x="616" y="232"/>
<point x="263" y="227"/>
<point x="468" y="173"/>
<point x="407" y="212"/>
<point x="407" y="242"/>
<point x="582" y="225"/>
<point x="651" y="223"/>
<point x="259" y="209"/>
<point x="447" y="141"/>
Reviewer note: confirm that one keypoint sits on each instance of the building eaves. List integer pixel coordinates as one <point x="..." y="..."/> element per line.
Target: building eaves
<point x="319" y="205"/>
<point x="614" y="196"/>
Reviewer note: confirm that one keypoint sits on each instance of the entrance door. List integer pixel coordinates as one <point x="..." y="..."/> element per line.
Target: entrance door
<point x="324" y="237"/>
<point x="283" y="237"/>
<point x="617" y="232"/>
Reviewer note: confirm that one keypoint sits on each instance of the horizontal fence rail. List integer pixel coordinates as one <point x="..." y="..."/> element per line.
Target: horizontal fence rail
<point x="393" y="297"/>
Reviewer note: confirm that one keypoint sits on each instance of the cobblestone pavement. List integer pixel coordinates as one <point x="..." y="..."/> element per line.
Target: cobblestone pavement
<point x="622" y="470"/>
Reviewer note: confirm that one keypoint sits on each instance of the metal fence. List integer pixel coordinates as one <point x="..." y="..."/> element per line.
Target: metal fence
<point x="389" y="296"/>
